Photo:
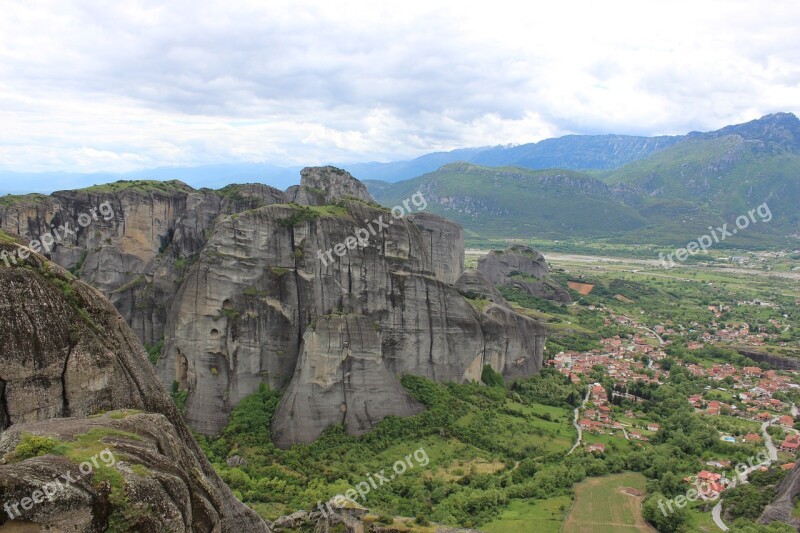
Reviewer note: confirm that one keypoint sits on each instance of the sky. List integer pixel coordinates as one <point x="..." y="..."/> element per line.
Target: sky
<point x="90" y="86"/>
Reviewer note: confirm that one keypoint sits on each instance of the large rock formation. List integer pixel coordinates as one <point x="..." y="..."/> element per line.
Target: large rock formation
<point x="781" y="508"/>
<point x="250" y="285"/>
<point x="524" y="268"/>
<point x="67" y="357"/>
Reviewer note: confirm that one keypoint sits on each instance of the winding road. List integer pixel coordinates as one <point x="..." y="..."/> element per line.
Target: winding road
<point x="575" y="421"/>
<point x="772" y="451"/>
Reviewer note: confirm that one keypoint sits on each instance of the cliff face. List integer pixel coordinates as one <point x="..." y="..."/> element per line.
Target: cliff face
<point x="331" y="297"/>
<point x="782" y="506"/>
<point x="523" y="268"/>
<point x="68" y="355"/>
<point x="132" y="240"/>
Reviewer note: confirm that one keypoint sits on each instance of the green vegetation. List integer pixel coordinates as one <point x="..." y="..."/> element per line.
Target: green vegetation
<point x="31" y="446"/>
<point x="606" y="504"/>
<point x="474" y="436"/>
<point x="154" y="351"/>
<point x="144" y="186"/>
<point x="9" y="200"/>
<point x="669" y="197"/>
<point x="491" y="377"/>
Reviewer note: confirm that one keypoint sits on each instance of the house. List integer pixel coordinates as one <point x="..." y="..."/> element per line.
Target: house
<point x="585" y="423"/>
<point x="596" y="448"/>
<point x="787" y="466"/>
<point x="790" y="446"/>
<point x="787" y="421"/>
<point x="719" y="463"/>
<point x="705" y="475"/>
<point x="653" y="427"/>
<point x="752" y="438"/>
<point x="763" y="417"/>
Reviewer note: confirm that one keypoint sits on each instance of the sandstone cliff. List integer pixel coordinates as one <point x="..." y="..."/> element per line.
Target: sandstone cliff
<point x="524" y="268"/>
<point x="67" y="357"/>
<point x="244" y="287"/>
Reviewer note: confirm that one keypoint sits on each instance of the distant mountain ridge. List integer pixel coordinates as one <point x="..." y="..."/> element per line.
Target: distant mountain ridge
<point x="670" y="196"/>
<point x="574" y="152"/>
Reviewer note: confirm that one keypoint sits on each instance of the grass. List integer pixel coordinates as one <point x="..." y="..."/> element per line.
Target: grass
<point x="13" y="199"/>
<point x="531" y="516"/>
<point x="602" y="506"/>
<point x="147" y="186"/>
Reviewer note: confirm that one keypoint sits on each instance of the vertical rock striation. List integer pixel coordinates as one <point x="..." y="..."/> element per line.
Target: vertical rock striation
<point x="245" y="286"/>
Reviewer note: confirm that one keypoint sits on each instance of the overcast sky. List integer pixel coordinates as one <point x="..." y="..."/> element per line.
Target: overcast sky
<point x="139" y="84"/>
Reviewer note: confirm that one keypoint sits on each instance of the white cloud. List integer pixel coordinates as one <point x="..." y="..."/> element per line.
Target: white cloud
<point x="88" y="86"/>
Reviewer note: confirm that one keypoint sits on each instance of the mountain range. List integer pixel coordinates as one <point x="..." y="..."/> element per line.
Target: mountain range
<point x="683" y="186"/>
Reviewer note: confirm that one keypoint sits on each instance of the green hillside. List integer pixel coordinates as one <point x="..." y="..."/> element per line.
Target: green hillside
<point x="515" y="202"/>
<point x="668" y="198"/>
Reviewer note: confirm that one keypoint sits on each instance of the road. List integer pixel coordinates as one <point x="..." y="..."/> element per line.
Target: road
<point x="660" y="340"/>
<point x="600" y="260"/>
<point x="575" y="421"/>
<point x="772" y="451"/>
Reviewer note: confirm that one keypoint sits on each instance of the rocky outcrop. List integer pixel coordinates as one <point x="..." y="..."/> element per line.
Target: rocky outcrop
<point x="340" y="378"/>
<point x="326" y="185"/>
<point x="130" y="240"/>
<point x="782" y="506"/>
<point x="524" y="268"/>
<point x="235" y="281"/>
<point x="473" y="284"/>
<point x="68" y="355"/>
<point x="152" y="481"/>
<point x="444" y="241"/>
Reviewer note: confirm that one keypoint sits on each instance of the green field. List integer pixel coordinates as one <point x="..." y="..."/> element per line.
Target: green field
<point x="535" y="516"/>
<point x="602" y="505"/>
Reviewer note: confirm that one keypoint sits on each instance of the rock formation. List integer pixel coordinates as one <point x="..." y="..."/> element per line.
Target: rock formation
<point x="524" y="268"/>
<point x="318" y="291"/>
<point x="782" y="506"/>
<point x="67" y="357"/>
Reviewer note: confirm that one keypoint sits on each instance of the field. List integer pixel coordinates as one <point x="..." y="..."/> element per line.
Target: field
<point x="536" y="516"/>
<point x="602" y="505"/>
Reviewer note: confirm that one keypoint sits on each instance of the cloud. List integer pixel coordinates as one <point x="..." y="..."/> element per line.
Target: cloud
<point x="90" y="86"/>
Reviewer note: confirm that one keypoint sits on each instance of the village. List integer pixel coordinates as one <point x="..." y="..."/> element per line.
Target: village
<point x="744" y="394"/>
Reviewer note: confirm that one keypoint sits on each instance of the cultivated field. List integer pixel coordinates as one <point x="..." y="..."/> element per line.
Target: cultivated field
<point x="608" y="504"/>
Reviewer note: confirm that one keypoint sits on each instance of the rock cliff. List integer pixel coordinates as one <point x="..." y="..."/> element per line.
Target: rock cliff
<point x="68" y="357"/>
<point x="316" y="290"/>
<point x="782" y="506"/>
<point x="524" y="268"/>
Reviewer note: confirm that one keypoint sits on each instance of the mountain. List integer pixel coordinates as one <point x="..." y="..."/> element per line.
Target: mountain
<point x="671" y="195"/>
<point x="316" y="291"/>
<point x="596" y="152"/>
<point x="576" y="152"/>
<point x="517" y="203"/>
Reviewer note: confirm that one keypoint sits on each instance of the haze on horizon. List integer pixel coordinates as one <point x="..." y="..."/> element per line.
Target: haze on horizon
<point x="134" y="85"/>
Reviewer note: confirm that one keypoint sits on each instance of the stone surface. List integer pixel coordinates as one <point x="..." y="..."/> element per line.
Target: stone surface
<point x="325" y="185"/>
<point x="782" y="506"/>
<point x="474" y="285"/>
<point x="68" y="353"/>
<point x="340" y="379"/>
<point x="233" y="280"/>
<point x="524" y="268"/>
